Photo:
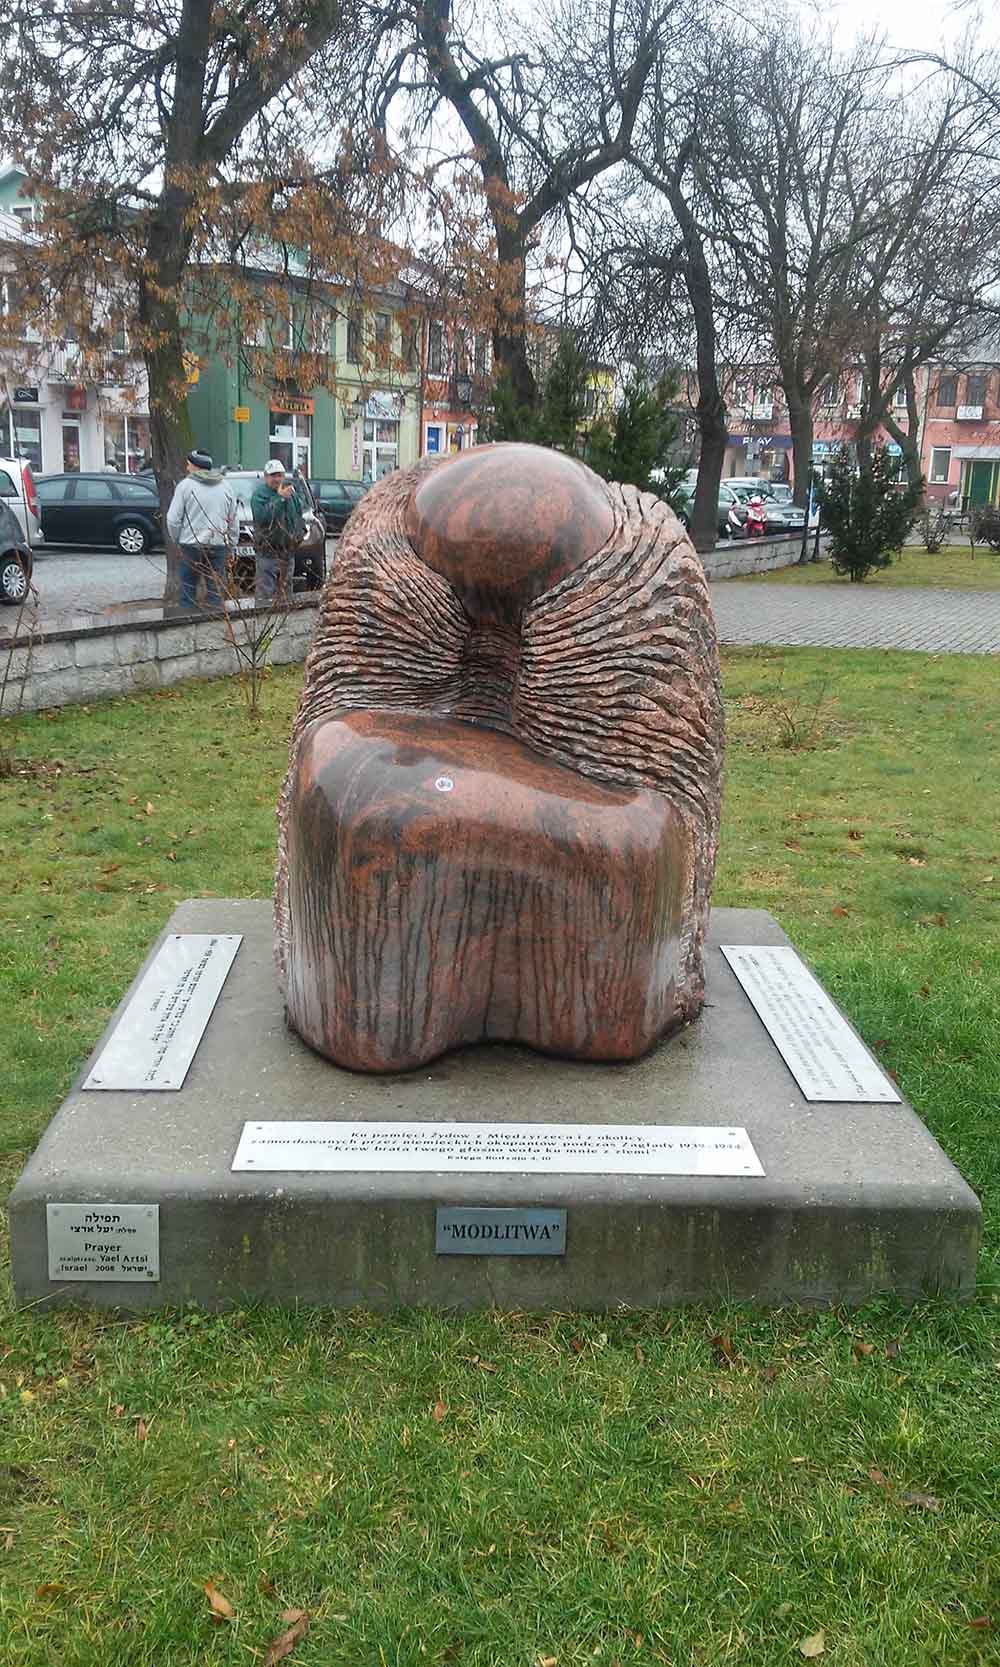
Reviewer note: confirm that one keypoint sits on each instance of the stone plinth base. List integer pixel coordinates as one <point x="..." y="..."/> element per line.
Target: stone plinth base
<point x="855" y="1199"/>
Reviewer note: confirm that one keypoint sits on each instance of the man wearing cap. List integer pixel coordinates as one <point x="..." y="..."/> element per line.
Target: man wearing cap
<point x="203" y="519"/>
<point x="279" y="527"/>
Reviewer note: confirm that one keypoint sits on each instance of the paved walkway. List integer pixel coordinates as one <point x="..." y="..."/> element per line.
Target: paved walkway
<point x="835" y="616"/>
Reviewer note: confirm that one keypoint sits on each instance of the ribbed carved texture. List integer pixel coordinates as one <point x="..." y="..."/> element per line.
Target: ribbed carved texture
<point x="438" y="881"/>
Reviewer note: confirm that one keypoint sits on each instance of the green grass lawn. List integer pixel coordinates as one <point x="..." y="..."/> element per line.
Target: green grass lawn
<point x="953" y="568"/>
<point x="689" y="1489"/>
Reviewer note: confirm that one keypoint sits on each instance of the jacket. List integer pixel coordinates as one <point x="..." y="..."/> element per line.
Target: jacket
<point x="277" y="521"/>
<point x="204" y="510"/>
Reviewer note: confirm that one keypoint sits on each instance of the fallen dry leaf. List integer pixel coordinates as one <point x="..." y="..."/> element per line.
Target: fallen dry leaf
<point x="812" y="1646"/>
<point x="221" y="1606"/>
<point x="926" y="1501"/>
<point x="640" y="1357"/>
<point x="862" y="1350"/>
<point x="723" y="1346"/>
<point x="837" y="910"/>
<point x="547" y="1660"/>
<point x="981" y="1622"/>
<point x="577" y="1344"/>
<point x="440" y="1411"/>
<point x="141" y="1429"/>
<point x="892" y="1349"/>
<point x="285" y="1643"/>
<point x="50" y="1589"/>
<point x="917" y="862"/>
<point x="149" y="808"/>
<point x="855" y="833"/>
<point x="877" y="1476"/>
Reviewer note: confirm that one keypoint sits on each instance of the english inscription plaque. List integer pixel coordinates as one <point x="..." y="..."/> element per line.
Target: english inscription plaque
<point x="814" y="1039"/>
<point x="496" y="1148"/>
<point x="103" y="1241"/>
<point x="500" y="1232"/>
<point x="157" y="1036"/>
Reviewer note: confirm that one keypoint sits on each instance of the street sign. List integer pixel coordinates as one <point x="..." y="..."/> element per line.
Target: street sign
<point x="241" y="413"/>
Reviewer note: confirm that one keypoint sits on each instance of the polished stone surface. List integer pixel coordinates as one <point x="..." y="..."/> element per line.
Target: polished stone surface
<point x="545" y="640"/>
<point x="855" y="1199"/>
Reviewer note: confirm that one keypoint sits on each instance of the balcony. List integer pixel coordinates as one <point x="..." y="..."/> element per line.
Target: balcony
<point x="969" y="414"/>
<point x="65" y="364"/>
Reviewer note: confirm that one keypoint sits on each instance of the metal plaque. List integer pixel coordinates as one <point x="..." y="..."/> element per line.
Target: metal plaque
<point x="490" y="1232"/>
<point x="519" y="1148"/>
<point x="103" y="1241"/>
<point x="814" y="1039"/>
<point x="157" y="1035"/>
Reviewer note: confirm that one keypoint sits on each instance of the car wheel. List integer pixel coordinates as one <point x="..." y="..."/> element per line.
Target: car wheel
<point x="133" y="539"/>
<point x="14" y="579"/>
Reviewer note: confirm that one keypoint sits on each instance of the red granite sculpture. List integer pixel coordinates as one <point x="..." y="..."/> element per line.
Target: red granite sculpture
<point x="501" y="812"/>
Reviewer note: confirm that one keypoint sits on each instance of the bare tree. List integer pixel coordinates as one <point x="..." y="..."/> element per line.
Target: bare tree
<point x="547" y="110"/>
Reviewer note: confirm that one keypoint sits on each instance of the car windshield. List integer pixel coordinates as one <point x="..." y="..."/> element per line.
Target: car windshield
<point x="243" y="489"/>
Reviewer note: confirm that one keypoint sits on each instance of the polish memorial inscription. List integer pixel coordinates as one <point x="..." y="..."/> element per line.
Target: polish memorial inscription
<point x="497" y="1148"/>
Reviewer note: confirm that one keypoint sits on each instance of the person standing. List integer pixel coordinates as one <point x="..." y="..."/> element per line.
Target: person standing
<point x="279" y="526"/>
<point x="203" y="519"/>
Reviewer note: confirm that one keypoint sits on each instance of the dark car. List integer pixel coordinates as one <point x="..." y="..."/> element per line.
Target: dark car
<point x="310" y="557"/>
<point x="15" y="559"/>
<point x="100" y="509"/>
<point x="335" y="500"/>
<point x="728" y="499"/>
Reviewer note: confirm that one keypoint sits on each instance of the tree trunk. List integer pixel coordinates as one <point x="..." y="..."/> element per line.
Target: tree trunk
<point x="800" y="420"/>
<point x="159" y="313"/>
<point x="510" y="343"/>
<point x="711" y="409"/>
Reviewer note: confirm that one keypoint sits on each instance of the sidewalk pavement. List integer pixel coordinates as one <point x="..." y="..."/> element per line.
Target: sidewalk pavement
<point x="835" y="616"/>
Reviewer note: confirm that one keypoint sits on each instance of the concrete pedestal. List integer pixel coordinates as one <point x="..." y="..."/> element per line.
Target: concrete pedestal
<point x="855" y="1200"/>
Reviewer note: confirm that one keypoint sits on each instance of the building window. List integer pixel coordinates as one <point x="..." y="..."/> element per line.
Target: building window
<point x="25" y="212"/>
<point x="355" y="320"/>
<point x="589" y="401"/>
<point x="947" y="391"/>
<point x="290" y="440"/>
<point x="899" y="397"/>
<point x="127" y="445"/>
<point x="252" y="330"/>
<point x="119" y="338"/>
<point x="70" y="443"/>
<point x="22" y="434"/>
<point x="480" y="361"/>
<point x="289" y="342"/>
<point x="435" y="350"/>
<point x="830" y="393"/>
<point x="381" y="448"/>
<point x="383" y="338"/>
<point x="940" y="464"/>
<point x="411" y="344"/>
<point x="975" y="389"/>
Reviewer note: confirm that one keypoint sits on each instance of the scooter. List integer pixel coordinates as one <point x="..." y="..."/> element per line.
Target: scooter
<point x="756" y="524"/>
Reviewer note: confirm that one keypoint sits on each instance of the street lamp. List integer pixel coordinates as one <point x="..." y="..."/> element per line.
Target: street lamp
<point x="463" y="389"/>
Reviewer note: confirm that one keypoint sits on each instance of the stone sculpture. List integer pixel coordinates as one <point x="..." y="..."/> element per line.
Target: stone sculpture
<point x="501" y="812"/>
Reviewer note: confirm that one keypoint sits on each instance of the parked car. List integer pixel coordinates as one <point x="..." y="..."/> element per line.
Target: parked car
<point x="100" y="509"/>
<point x="728" y="499"/>
<point x="335" y="500"/>
<point x="15" y="559"/>
<point x="781" y="513"/>
<point x="17" y="489"/>
<point x="310" y="557"/>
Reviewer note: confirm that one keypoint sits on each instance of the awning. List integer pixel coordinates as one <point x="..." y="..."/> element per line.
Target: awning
<point x="976" y="454"/>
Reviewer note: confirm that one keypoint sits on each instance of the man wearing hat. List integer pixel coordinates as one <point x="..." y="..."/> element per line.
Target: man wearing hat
<point x="203" y="519"/>
<point x="279" y="528"/>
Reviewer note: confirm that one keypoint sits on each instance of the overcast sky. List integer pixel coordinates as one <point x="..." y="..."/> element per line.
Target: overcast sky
<point x="922" y="24"/>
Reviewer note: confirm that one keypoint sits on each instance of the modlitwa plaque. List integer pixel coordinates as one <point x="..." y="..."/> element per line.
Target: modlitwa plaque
<point x="103" y="1241"/>
<point x="497" y="1148"/>
<point x="500" y="1232"/>
<point x="826" y="1058"/>
<point x="157" y="1036"/>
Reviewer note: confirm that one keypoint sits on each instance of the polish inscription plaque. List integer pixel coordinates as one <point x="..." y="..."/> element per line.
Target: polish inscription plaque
<point x="498" y="1148"/>
<point x="485" y="1231"/>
